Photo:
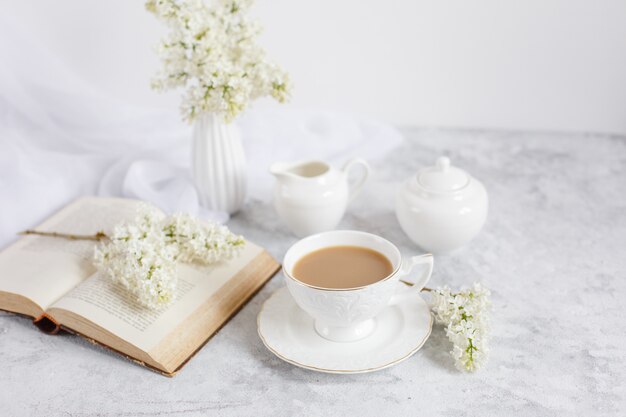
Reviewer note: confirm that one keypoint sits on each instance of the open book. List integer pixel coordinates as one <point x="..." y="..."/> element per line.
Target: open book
<point x="54" y="281"/>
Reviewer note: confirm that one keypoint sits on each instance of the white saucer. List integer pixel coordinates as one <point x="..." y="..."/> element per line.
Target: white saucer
<point x="289" y="333"/>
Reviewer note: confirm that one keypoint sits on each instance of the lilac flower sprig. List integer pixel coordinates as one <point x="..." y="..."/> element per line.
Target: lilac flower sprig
<point x="466" y="317"/>
<point x="211" y="50"/>
<point x="143" y="255"/>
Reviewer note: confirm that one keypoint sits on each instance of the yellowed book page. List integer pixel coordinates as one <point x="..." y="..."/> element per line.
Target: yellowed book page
<point x="111" y="307"/>
<point x="43" y="268"/>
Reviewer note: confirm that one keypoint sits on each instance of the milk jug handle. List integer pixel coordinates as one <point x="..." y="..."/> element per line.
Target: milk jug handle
<point x="358" y="185"/>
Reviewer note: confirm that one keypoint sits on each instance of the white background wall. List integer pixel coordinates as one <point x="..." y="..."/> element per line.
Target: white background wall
<point x="523" y="64"/>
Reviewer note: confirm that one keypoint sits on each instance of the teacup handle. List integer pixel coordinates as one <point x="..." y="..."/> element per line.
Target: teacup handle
<point x="421" y="281"/>
<point x="356" y="188"/>
<point x="408" y="266"/>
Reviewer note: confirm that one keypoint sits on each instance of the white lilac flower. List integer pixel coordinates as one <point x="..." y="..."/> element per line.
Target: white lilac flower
<point x="142" y="255"/>
<point x="200" y="242"/>
<point x="211" y="50"/>
<point x="466" y="317"/>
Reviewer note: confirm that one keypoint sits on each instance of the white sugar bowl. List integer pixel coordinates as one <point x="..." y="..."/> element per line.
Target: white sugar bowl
<point x="441" y="208"/>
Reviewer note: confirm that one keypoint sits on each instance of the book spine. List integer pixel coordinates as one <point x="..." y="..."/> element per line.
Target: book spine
<point x="47" y="324"/>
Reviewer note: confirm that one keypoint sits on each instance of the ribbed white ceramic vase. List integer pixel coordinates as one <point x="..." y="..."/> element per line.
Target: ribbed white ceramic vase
<point x="218" y="164"/>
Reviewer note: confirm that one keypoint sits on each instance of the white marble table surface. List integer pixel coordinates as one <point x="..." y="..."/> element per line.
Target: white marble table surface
<point x="553" y="252"/>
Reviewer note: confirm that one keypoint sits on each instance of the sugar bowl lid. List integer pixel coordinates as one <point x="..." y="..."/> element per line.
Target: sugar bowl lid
<point x="442" y="177"/>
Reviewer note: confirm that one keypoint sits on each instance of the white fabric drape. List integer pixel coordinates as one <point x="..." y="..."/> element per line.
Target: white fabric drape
<point x="61" y="138"/>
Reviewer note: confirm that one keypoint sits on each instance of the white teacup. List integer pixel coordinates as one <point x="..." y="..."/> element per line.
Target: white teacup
<point x="345" y="315"/>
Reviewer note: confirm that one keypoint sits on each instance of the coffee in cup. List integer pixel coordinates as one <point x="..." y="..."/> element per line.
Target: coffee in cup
<point x="342" y="267"/>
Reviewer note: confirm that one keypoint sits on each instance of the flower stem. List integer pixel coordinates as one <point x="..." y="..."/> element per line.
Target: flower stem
<point x="100" y="235"/>
<point x="410" y="284"/>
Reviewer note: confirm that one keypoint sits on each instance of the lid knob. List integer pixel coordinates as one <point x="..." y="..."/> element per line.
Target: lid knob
<point x="442" y="177"/>
<point x="443" y="163"/>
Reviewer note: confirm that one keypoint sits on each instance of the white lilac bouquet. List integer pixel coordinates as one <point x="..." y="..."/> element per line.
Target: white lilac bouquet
<point x="466" y="317"/>
<point x="142" y="255"/>
<point x="212" y="51"/>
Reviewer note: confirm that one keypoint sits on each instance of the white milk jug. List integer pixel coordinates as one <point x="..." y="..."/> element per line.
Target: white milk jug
<point x="312" y="196"/>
